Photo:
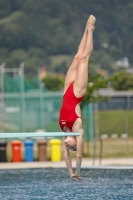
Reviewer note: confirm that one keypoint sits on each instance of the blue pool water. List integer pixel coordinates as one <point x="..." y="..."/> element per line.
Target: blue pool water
<point x="55" y="184"/>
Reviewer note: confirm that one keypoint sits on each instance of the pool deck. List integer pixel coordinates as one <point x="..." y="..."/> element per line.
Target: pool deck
<point x="86" y="163"/>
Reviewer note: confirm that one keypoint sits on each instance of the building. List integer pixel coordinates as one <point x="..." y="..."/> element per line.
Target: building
<point x="116" y="99"/>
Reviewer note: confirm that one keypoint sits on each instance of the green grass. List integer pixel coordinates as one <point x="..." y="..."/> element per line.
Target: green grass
<point x="111" y="122"/>
<point x="113" y="148"/>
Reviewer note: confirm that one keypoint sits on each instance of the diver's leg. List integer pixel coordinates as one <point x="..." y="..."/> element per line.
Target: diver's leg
<point x="81" y="79"/>
<point x="72" y="71"/>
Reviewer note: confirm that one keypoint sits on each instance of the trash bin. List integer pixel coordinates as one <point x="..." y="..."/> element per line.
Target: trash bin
<point x="3" y="144"/>
<point x="29" y="153"/>
<point x="55" y="145"/>
<point x="16" y="151"/>
<point x="42" y="150"/>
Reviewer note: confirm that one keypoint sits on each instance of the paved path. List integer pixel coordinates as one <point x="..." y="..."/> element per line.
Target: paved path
<point x="128" y="162"/>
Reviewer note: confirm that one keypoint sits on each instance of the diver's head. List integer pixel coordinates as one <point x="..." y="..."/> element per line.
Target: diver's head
<point x="71" y="143"/>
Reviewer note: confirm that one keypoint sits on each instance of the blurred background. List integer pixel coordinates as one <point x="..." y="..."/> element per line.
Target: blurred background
<point x="38" y="40"/>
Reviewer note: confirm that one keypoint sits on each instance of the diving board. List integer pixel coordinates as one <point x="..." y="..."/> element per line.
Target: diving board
<point x="38" y="134"/>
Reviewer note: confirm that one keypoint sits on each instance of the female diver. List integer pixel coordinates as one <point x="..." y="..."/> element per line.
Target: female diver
<point x="74" y="91"/>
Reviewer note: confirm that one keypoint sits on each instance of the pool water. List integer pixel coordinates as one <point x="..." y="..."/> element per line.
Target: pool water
<point x="55" y="184"/>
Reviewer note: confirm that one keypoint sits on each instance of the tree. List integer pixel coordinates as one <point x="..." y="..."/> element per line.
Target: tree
<point x="56" y="29"/>
<point x="122" y="81"/>
<point x="53" y="82"/>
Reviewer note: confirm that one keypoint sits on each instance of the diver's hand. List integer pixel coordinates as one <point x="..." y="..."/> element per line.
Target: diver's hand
<point x="76" y="177"/>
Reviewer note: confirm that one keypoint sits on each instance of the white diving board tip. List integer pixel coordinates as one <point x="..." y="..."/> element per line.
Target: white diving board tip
<point x="38" y="134"/>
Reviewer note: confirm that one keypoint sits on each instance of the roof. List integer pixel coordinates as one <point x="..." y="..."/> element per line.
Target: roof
<point x="111" y="92"/>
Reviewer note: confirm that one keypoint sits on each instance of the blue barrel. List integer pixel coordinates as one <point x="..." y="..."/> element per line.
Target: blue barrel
<point x="29" y="150"/>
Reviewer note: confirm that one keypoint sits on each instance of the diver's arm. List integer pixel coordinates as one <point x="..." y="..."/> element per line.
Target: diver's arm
<point x="79" y="154"/>
<point x="67" y="158"/>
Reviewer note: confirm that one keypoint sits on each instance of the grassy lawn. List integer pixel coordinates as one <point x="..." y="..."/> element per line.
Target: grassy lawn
<point x="114" y="122"/>
<point x="113" y="148"/>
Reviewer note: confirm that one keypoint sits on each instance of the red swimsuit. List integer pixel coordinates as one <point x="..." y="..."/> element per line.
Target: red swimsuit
<point x="67" y="112"/>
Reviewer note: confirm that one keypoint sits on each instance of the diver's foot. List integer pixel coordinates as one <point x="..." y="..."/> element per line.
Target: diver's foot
<point x="91" y="23"/>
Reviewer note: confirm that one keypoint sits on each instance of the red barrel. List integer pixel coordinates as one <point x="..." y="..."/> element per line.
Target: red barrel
<point x="16" y="151"/>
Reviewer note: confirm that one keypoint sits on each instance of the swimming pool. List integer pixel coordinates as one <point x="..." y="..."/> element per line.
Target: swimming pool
<point x="54" y="184"/>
